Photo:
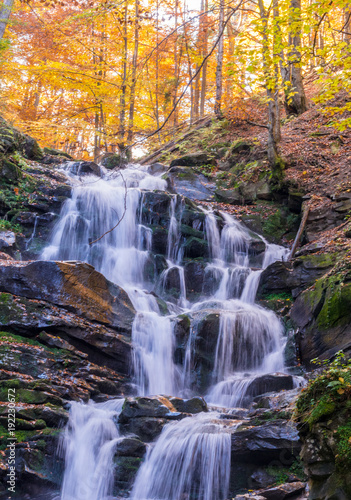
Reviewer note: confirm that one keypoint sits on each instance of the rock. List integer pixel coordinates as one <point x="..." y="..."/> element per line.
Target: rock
<point x="114" y="160"/>
<point x="8" y="241"/>
<point x="294" y="276"/>
<point x="193" y="405"/>
<point x="103" y="345"/>
<point x="284" y="491"/>
<point x="270" y="383"/>
<point x="31" y="148"/>
<point x="157" y="168"/>
<point x="262" y="444"/>
<point x="56" y="152"/>
<point x="187" y="182"/>
<point x="74" y="285"/>
<point x="232" y="196"/>
<point x="193" y="160"/>
<point x="194" y="272"/>
<point x="8" y="170"/>
<point x="195" y="248"/>
<point x="130" y="447"/>
<point x="323" y="316"/>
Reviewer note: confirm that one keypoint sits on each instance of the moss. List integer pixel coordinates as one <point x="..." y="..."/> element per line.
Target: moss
<point x="337" y="305"/>
<point x="343" y="439"/>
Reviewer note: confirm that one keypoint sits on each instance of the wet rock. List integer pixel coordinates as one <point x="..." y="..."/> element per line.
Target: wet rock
<point x="74" y="285"/>
<point x="130" y="447"/>
<point x="262" y="444"/>
<point x="284" y="491"/>
<point x="187" y="182"/>
<point x="147" y="429"/>
<point x="294" y="276"/>
<point x="195" y="248"/>
<point x="270" y="383"/>
<point x="157" y="168"/>
<point x="193" y="405"/>
<point x="194" y="276"/>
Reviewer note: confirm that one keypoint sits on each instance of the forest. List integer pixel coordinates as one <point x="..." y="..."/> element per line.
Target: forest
<point x="175" y="249"/>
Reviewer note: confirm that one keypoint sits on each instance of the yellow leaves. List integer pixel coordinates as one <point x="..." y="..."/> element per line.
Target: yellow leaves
<point x="341" y="380"/>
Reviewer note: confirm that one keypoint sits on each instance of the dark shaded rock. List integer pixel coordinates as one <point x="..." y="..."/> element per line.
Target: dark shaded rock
<point x="294" y="276"/>
<point x="159" y="240"/>
<point x="76" y="286"/>
<point x="232" y="196"/>
<point x="194" y="248"/>
<point x="270" y="383"/>
<point x="193" y="405"/>
<point x="262" y="444"/>
<point x="193" y="160"/>
<point x="102" y="344"/>
<point x="8" y="171"/>
<point x="146" y="428"/>
<point x="114" y="160"/>
<point x="31" y="148"/>
<point x="323" y="316"/>
<point x="194" y="276"/>
<point x="131" y="447"/>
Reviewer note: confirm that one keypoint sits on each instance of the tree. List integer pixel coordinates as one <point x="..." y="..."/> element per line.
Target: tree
<point x="5" y="12"/>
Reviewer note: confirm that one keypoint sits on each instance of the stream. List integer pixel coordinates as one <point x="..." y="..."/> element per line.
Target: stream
<point x="191" y="458"/>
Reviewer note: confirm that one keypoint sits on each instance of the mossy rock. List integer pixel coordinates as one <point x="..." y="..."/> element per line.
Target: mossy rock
<point x="57" y="152"/>
<point x="9" y="172"/>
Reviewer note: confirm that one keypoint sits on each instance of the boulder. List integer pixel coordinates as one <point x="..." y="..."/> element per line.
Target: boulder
<point x="323" y="316"/>
<point x="103" y="345"/>
<point x="284" y="491"/>
<point x="187" y="182"/>
<point x="273" y="441"/>
<point x="73" y="285"/>
<point x="193" y="160"/>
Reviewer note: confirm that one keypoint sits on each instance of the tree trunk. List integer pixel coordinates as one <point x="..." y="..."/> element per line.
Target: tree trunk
<point x="6" y="8"/>
<point x="297" y="103"/>
<point x="347" y="25"/>
<point x="204" y="54"/>
<point x="219" y="69"/>
<point x="271" y="76"/>
<point x="122" y="114"/>
<point x="134" y="74"/>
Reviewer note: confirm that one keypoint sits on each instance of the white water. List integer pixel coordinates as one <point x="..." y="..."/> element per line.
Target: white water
<point x="89" y="443"/>
<point x="191" y="459"/>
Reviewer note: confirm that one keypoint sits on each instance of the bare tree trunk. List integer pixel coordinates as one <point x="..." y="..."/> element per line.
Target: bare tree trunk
<point x="122" y="114"/>
<point x="157" y="74"/>
<point x="175" y="88"/>
<point x="297" y="103"/>
<point x="272" y="91"/>
<point x="347" y="25"/>
<point x="134" y="74"/>
<point x="204" y="54"/>
<point x="219" y="69"/>
<point x="6" y="8"/>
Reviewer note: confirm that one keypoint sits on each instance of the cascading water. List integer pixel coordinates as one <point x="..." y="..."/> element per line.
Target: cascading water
<point x="89" y="443"/>
<point x="194" y="453"/>
<point x="191" y="459"/>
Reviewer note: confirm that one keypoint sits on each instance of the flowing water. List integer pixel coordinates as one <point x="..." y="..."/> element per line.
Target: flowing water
<point x="191" y="459"/>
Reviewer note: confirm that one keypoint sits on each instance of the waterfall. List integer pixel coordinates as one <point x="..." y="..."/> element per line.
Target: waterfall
<point x="89" y="444"/>
<point x="191" y="459"/>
